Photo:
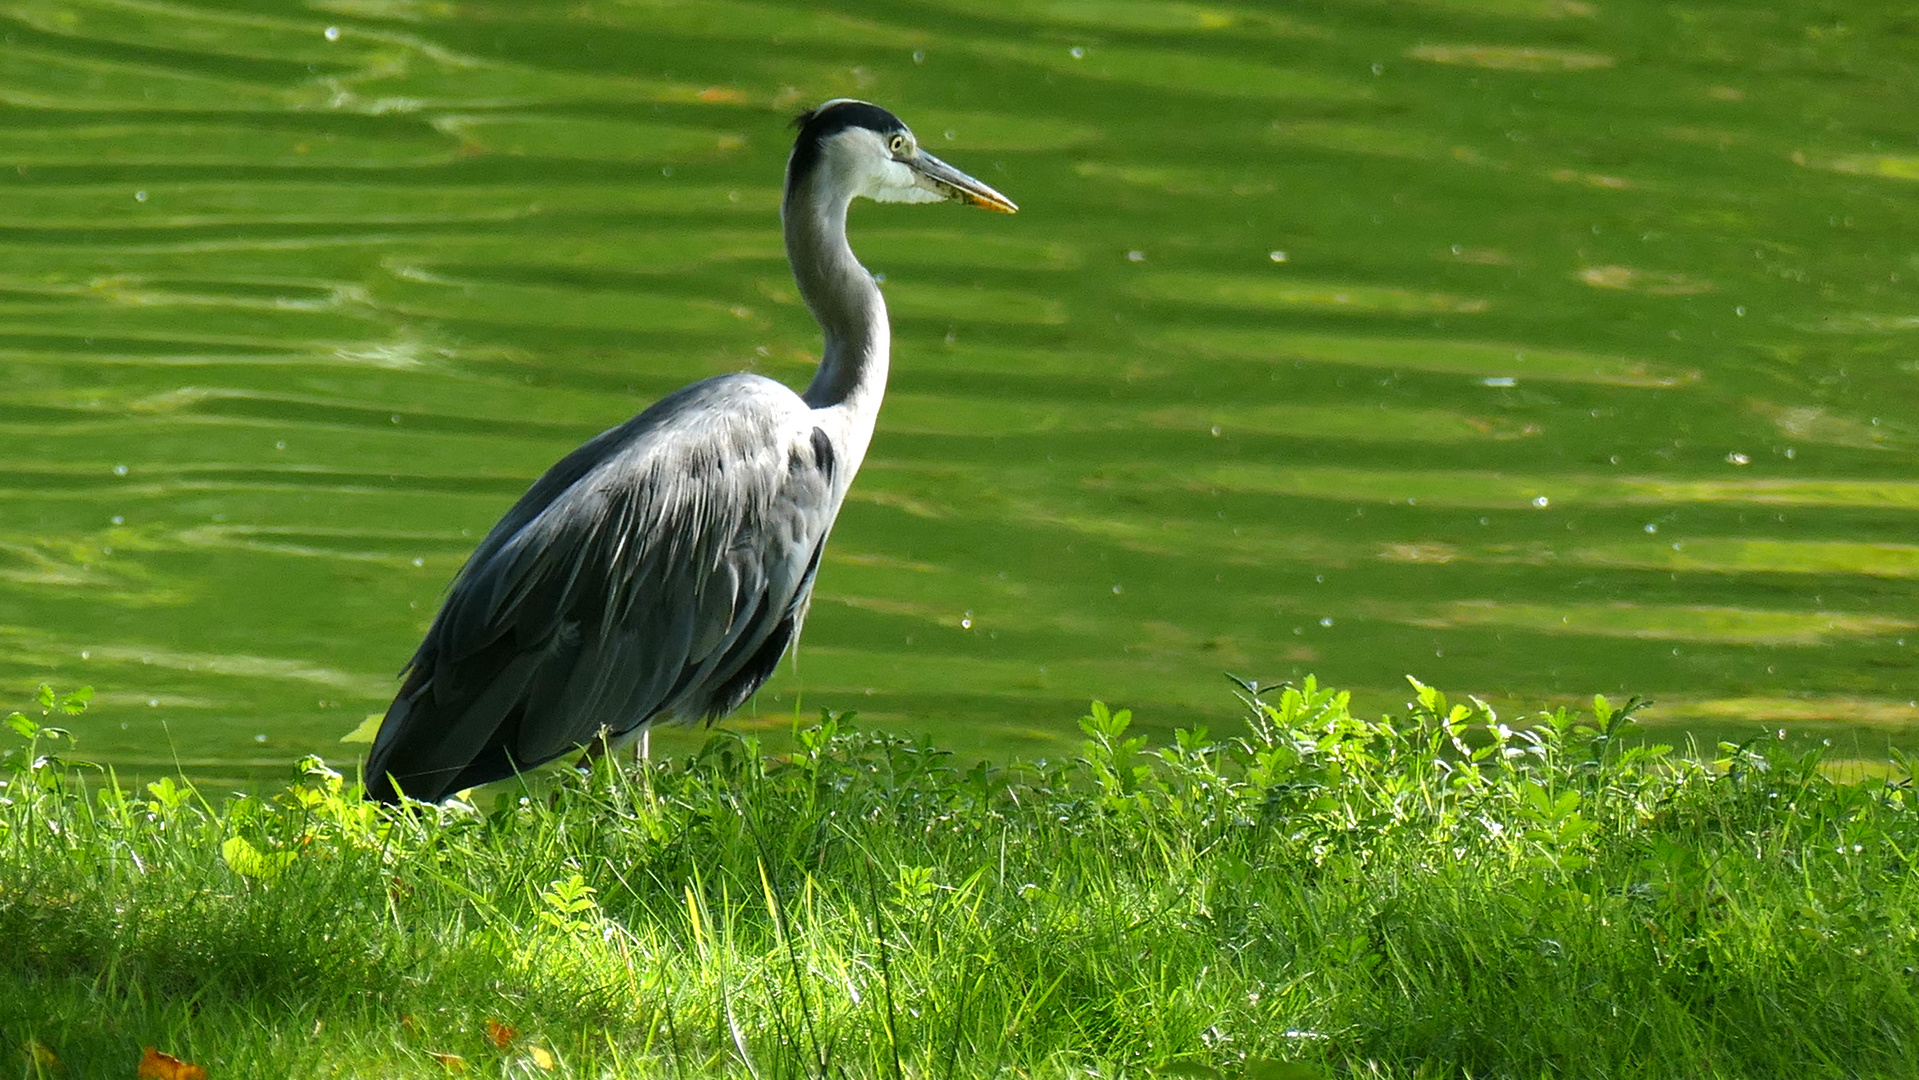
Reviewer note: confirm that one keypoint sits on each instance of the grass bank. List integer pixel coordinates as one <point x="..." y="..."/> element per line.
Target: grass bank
<point x="1432" y="894"/>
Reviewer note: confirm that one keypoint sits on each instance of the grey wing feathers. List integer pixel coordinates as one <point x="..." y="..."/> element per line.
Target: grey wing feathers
<point x="661" y="569"/>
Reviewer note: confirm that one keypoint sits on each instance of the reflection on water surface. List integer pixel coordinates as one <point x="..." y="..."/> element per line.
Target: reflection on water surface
<point x="1536" y="347"/>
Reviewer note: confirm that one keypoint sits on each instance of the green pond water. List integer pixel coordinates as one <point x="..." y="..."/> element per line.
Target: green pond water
<point x="1534" y="347"/>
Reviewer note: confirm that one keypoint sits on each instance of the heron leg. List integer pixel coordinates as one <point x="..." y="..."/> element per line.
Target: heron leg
<point x="592" y="752"/>
<point x="602" y="746"/>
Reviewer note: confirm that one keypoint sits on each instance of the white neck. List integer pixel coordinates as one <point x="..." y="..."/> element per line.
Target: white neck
<point x="846" y="391"/>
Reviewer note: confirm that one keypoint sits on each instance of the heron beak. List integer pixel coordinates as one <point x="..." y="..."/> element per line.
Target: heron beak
<point x="949" y="183"/>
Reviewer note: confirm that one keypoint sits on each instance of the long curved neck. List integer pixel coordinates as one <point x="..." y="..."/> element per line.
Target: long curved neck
<point x="852" y="375"/>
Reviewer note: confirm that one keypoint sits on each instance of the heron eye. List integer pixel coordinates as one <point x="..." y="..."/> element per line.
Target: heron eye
<point x="898" y="145"/>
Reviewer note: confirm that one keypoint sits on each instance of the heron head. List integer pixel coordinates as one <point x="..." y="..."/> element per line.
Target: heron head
<point x="848" y="148"/>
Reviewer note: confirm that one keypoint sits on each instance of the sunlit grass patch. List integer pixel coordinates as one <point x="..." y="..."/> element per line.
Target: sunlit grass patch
<point x="1434" y="893"/>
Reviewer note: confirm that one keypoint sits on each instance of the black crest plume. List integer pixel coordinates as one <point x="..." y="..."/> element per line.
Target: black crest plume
<point x="817" y="125"/>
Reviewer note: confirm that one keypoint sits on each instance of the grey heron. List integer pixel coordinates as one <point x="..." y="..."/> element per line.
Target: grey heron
<point x="663" y="568"/>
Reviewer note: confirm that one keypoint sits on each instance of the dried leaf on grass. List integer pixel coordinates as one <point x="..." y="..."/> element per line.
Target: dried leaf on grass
<point x="155" y="1065"/>
<point x="501" y="1035"/>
